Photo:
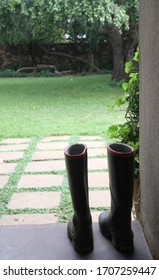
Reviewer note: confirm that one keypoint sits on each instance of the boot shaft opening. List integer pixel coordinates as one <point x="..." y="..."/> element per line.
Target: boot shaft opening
<point x="120" y="149"/>
<point x="75" y="150"/>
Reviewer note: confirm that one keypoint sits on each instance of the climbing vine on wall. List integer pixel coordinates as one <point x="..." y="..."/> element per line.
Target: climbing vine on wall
<point x="128" y="132"/>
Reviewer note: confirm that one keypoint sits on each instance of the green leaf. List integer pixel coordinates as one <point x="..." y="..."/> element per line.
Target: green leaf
<point x="126" y="96"/>
<point x="133" y="75"/>
<point x="119" y="102"/>
<point x="125" y="86"/>
<point x="113" y="129"/>
<point x="128" y="67"/>
<point x="136" y="56"/>
<point x="110" y="107"/>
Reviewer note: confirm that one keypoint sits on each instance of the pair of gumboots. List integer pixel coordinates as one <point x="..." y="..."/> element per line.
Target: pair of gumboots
<point x="115" y="224"/>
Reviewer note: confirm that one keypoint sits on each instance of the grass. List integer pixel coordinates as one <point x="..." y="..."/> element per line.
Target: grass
<point x="70" y="105"/>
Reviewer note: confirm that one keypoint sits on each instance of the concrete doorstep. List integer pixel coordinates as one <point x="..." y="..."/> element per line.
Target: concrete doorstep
<point x="50" y="242"/>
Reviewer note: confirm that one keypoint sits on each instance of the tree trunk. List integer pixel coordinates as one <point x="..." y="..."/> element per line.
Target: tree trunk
<point x="91" y="62"/>
<point x="132" y="41"/>
<point x="118" y="49"/>
<point x="31" y="48"/>
<point x="118" y="57"/>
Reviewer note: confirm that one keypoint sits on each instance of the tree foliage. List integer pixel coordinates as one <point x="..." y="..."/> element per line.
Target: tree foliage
<point x="84" y="17"/>
<point x="48" y="21"/>
<point x="27" y="21"/>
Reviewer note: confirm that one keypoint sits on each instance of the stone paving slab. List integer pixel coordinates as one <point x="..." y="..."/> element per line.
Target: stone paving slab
<point x="36" y="219"/>
<point x="6" y="156"/>
<point x="16" y="140"/>
<point x="40" y="181"/>
<point x="59" y="165"/>
<point x="98" y="179"/>
<point x="18" y="147"/>
<point x="99" y="198"/>
<point x="39" y="219"/>
<point x="45" y="166"/>
<point x="97" y="164"/>
<point x="24" y="219"/>
<point x="97" y="152"/>
<point x="6" y="168"/>
<point x="95" y="216"/>
<point x="95" y="144"/>
<point x="36" y="200"/>
<point x="3" y="181"/>
<point x="91" y="138"/>
<point x="48" y="155"/>
<point x="52" y="146"/>
<point x="56" y="138"/>
<point x="59" y="154"/>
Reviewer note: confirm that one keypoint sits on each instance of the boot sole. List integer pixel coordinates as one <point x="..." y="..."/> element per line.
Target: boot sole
<point x="80" y="248"/>
<point x="120" y="248"/>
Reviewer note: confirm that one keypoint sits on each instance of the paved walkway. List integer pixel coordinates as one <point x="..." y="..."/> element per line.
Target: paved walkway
<point x="33" y="181"/>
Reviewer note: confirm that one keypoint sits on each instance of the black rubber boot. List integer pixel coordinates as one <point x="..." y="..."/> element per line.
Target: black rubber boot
<point x="116" y="224"/>
<point x="80" y="225"/>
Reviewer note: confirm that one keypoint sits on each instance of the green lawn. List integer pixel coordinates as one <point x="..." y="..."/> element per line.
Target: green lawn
<point x="56" y="106"/>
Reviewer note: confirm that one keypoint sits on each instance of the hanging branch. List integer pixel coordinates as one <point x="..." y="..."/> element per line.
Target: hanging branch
<point x="76" y="58"/>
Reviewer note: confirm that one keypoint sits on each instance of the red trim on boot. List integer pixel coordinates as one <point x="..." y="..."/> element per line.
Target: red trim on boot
<point x="75" y="151"/>
<point x="121" y="150"/>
